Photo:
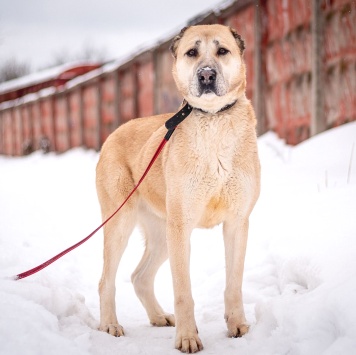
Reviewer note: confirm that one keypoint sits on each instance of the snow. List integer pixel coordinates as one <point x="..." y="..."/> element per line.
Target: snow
<point x="40" y="76"/>
<point x="300" y="272"/>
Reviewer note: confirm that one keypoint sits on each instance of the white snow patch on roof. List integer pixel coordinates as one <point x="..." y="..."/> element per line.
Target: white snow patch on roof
<point x="39" y="77"/>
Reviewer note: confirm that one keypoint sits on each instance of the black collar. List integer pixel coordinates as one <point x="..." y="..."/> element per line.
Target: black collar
<point x="183" y="113"/>
<point x="226" y="107"/>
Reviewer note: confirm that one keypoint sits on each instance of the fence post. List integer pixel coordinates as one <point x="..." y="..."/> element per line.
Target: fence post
<point x="98" y="83"/>
<point x="155" y="81"/>
<point x="135" y="68"/>
<point x="258" y="101"/>
<point x="117" y="116"/>
<point x="53" y="121"/>
<point x="81" y="115"/>
<point x="68" y="118"/>
<point x="317" y="123"/>
<point x="14" y="137"/>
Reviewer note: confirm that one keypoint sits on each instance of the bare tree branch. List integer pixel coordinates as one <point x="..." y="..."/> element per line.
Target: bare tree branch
<point x="12" y="69"/>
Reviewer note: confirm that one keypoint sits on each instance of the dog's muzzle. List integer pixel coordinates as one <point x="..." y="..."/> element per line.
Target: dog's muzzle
<point x="207" y="80"/>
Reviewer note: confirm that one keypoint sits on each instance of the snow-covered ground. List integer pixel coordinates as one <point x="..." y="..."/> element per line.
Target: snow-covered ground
<point x="300" y="274"/>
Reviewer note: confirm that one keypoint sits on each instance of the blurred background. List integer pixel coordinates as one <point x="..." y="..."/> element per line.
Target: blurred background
<point x="72" y="71"/>
<point x="40" y="34"/>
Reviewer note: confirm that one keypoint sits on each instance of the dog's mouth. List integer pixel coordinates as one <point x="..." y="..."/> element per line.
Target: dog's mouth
<point x="207" y="91"/>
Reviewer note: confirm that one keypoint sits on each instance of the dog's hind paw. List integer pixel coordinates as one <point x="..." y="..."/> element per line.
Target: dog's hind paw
<point x="163" y="320"/>
<point x="113" y="329"/>
<point x="237" y="330"/>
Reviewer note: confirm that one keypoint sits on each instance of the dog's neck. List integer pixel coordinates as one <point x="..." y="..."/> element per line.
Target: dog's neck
<point x="225" y="108"/>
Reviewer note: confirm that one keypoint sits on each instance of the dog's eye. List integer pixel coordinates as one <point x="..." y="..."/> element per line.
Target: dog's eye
<point x="223" y="51"/>
<point x="192" y="53"/>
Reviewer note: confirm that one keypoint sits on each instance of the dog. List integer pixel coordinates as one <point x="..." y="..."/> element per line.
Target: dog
<point x="208" y="174"/>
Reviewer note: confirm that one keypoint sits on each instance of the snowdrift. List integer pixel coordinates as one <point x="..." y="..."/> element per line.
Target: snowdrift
<point x="300" y="272"/>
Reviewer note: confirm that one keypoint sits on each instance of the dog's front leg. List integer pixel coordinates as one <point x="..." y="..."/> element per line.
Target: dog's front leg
<point x="235" y="239"/>
<point x="178" y="242"/>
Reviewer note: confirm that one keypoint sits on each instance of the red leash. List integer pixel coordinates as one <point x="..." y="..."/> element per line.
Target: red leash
<point x="171" y="124"/>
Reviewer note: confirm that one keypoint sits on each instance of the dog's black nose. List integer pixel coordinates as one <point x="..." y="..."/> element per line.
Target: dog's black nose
<point x="206" y="76"/>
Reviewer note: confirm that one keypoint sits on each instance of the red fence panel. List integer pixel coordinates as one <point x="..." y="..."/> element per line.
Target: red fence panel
<point x="145" y="77"/>
<point x="46" y="113"/>
<point x="61" y="122"/>
<point x="107" y="105"/>
<point x="340" y="62"/>
<point x="90" y="115"/>
<point x="34" y="107"/>
<point x="285" y="16"/>
<point x="168" y="98"/>
<point x="7" y="124"/>
<point x="243" y="23"/>
<point x="288" y="68"/>
<point x="27" y="128"/>
<point x="127" y="94"/>
<point x="75" y="119"/>
<point x="17" y="132"/>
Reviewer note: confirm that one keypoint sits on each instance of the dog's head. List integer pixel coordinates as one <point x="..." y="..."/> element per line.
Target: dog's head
<point x="208" y="66"/>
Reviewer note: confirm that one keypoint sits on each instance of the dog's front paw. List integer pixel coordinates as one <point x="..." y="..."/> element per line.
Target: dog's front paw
<point x="188" y="342"/>
<point x="236" y="328"/>
<point x="114" y="329"/>
<point x="163" y="320"/>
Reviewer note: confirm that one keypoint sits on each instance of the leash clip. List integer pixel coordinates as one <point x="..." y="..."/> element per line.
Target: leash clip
<point x="179" y="117"/>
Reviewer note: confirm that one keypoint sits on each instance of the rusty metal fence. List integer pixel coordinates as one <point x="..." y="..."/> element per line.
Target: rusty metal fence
<point x="301" y="75"/>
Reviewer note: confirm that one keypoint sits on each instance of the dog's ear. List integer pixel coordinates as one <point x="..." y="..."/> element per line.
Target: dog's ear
<point x="240" y="42"/>
<point x="174" y="45"/>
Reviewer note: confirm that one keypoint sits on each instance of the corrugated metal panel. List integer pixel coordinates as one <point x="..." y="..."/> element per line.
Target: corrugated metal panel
<point x="145" y="79"/>
<point x="287" y="58"/>
<point x="340" y="94"/>
<point x="75" y="123"/>
<point x="243" y="23"/>
<point x="8" y="136"/>
<point x="340" y="34"/>
<point x="168" y="98"/>
<point x="27" y="128"/>
<point x="288" y="68"/>
<point x="90" y="105"/>
<point x="47" y="120"/>
<point x="299" y="13"/>
<point x="298" y="107"/>
<point x="340" y="61"/>
<point x="61" y="123"/>
<point x="336" y="4"/>
<point x="36" y="123"/>
<point x="107" y="106"/>
<point x="17" y="132"/>
<point x="286" y="15"/>
<point x="127" y="95"/>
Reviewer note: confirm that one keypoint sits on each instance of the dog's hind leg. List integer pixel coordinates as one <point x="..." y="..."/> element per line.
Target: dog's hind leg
<point x="116" y="234"/>
<point x="155" y="254"/>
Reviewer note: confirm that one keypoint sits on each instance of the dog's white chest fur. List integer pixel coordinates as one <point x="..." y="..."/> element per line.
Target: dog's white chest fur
<point x="208" y="160"/>
<point x="215" y="145"/>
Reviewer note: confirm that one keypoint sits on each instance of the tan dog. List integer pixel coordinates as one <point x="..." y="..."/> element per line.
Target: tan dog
<point x="208" y="174"/>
